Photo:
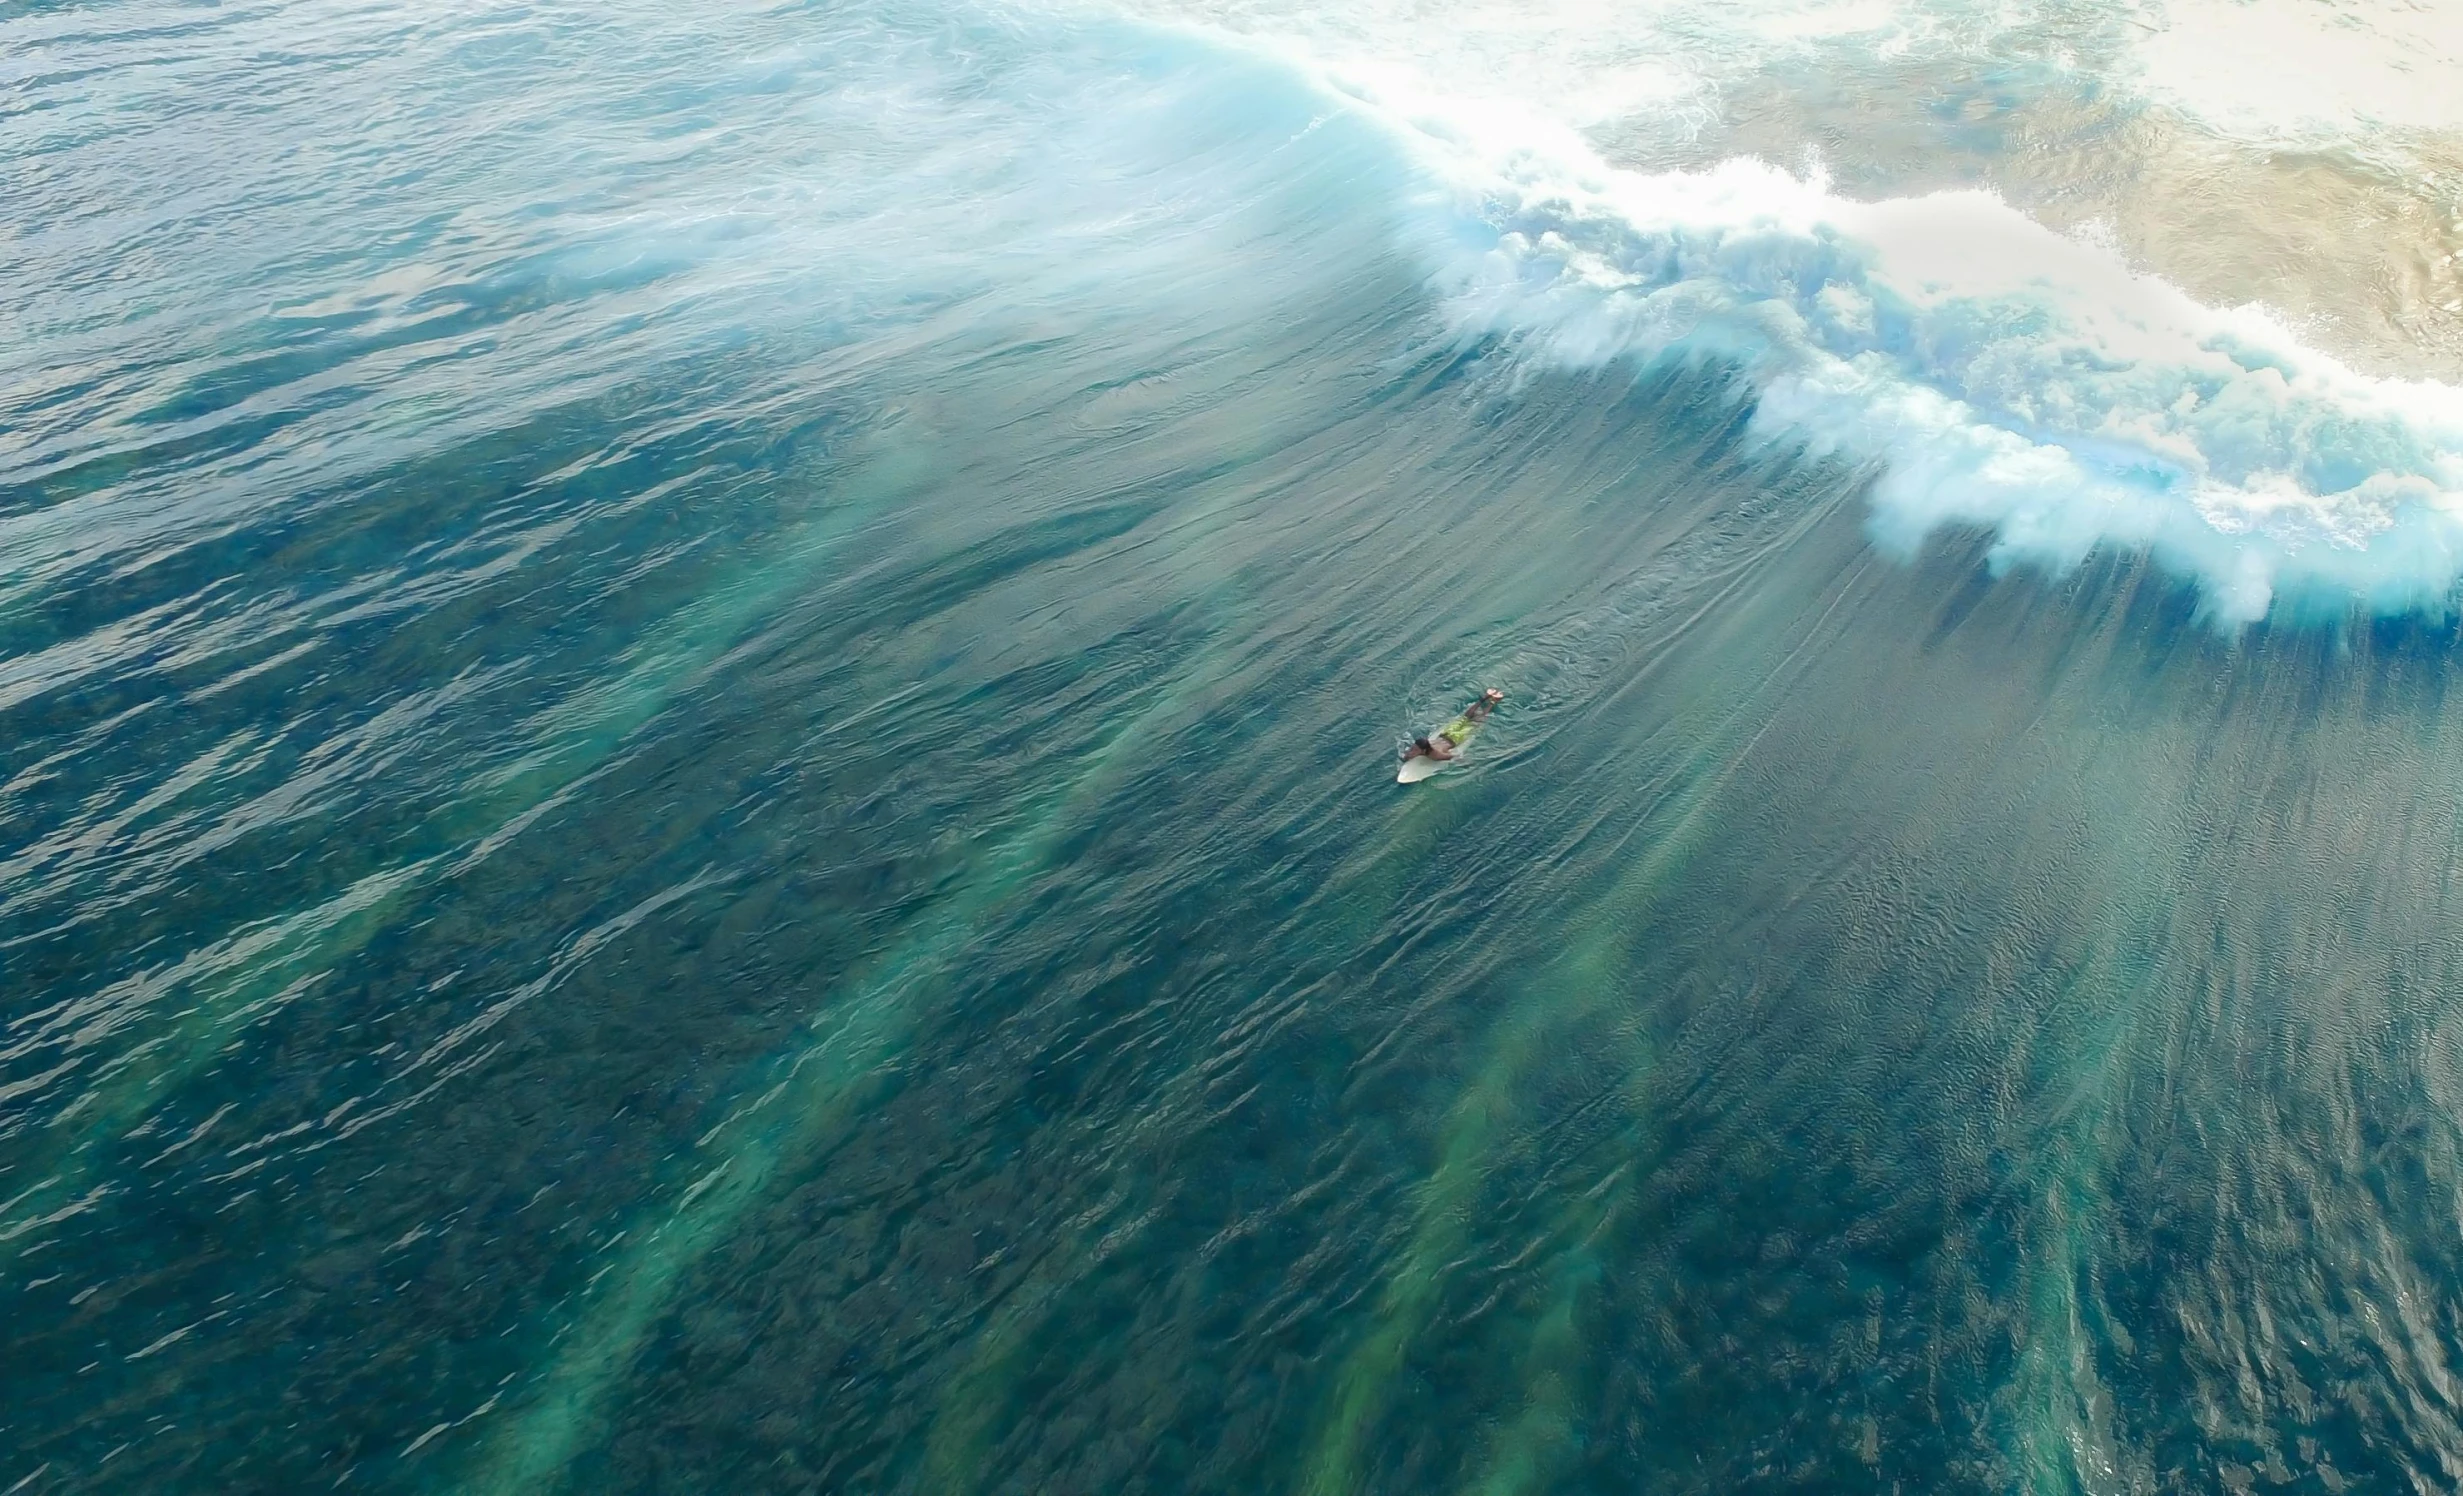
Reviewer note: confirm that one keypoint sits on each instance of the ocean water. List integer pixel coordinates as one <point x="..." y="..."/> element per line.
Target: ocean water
<point x="697" y="709"/>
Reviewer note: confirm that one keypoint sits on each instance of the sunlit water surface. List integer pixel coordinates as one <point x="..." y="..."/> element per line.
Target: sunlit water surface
<point x="697" y="710"/>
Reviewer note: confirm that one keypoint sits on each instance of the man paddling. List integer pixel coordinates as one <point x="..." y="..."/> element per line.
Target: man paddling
<point x="1441" y="746"/>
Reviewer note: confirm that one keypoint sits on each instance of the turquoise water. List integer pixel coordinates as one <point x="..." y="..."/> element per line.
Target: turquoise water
<point x="697" y="718"/>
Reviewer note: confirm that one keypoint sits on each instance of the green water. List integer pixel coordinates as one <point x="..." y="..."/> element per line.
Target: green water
<point x="815" y="900"/>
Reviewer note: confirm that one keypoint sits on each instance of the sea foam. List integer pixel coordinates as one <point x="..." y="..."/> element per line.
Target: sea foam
<point x="1997" y="373"/>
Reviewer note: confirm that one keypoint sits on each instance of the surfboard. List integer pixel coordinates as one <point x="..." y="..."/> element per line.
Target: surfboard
<point x="1416" y="769"/>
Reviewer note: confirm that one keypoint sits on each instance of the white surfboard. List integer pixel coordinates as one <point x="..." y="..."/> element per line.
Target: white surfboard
<point x="1416" y="769"/>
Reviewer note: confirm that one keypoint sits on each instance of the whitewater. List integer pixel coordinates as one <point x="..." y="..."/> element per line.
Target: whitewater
<point x="697" y="714"/>
<point x="2003" y="375"/>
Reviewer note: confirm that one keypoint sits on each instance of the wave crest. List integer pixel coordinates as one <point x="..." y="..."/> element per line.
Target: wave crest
<point x="2002" y="375"/>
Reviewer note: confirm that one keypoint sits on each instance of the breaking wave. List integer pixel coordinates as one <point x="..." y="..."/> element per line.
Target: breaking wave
<point x="1999" y="374"/>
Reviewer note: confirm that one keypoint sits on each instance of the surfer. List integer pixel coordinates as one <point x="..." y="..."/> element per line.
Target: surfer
<point x="1441" y="745"/>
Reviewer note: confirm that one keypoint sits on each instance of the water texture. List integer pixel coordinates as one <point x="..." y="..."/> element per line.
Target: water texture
<point x="697" y="718"/>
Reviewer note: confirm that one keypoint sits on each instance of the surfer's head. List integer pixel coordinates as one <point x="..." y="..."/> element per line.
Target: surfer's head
<point x="1492" y="694"/>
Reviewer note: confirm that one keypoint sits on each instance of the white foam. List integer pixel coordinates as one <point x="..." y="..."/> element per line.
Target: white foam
<point x="2305" y="70"/>
<point x="2003" y="375"/>
<point x="1651" y="67"/>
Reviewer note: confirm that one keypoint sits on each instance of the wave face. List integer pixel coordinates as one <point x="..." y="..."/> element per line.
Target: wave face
<point x="1998" y="373"/>
<point x="697" y="717"/>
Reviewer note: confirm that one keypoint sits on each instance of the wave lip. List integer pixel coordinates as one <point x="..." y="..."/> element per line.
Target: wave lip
<point x="2003" y="375"/>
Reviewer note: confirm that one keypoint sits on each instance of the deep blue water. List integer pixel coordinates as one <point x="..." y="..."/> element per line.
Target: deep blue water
<point x="696" y="728"/>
